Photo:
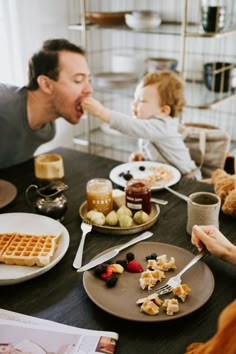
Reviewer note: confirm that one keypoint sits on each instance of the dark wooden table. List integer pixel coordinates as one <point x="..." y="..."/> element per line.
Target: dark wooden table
<point x="59" y="294"/>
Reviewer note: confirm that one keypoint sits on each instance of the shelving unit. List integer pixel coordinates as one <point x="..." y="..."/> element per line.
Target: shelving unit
<point x="194" y="48"/>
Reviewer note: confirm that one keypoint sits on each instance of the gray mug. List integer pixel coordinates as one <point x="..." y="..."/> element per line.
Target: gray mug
<point x="203" y="209"/>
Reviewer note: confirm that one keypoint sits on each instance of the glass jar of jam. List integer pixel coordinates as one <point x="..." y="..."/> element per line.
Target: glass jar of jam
<point x="138" y="196"/>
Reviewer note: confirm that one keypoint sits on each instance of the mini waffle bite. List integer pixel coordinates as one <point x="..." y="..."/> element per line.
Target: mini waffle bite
<point x="27" y="250"/>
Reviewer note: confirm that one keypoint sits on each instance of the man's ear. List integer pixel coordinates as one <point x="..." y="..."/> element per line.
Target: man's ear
<point x="45" y="84"/>
<point x="165" y="110"/>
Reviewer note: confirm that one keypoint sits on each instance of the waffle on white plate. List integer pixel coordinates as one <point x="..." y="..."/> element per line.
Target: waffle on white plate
<point x="27" y="250"/>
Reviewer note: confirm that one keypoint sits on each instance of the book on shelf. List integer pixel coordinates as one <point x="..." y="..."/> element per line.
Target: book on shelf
<point x="23" y="334"/>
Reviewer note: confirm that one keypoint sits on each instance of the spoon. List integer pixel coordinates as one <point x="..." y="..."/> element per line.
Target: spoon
<point x="180" y="195"/>
<point x="159" y="201"/>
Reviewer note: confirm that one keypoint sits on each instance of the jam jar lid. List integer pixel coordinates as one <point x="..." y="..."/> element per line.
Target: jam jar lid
<point x="137" y="185"/>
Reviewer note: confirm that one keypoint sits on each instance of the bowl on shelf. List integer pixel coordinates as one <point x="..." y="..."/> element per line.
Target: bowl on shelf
<point x="158" y="64"/>
<point x="143" y="20"/>
<point x="220" y="76"/>
<point x="114" y="79"/>
<point x="106" y="18"/>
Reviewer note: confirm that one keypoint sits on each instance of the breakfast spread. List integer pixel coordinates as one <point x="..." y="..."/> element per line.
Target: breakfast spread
<point x="225" y="188"/>
<point x="27" y="250"/>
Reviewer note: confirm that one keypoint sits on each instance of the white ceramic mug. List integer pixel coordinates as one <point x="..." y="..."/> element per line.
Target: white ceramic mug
<point x="203" y="209"/>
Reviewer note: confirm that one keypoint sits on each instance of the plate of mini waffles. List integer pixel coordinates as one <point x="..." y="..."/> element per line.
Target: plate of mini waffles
<point x="129" y="293"/>
<point x="30" y="245"/>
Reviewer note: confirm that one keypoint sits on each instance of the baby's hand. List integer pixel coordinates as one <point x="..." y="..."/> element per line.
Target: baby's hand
<point x="95" y="108"/>
<point x="136" y="156"/>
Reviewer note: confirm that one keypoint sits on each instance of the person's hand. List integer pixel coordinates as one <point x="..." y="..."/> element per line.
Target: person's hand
<point x="95" y="108"/>
<point x="215" y="242"/>
<point x="136" y="156"/>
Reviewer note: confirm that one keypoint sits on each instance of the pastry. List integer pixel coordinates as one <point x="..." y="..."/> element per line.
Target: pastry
<point x="150" y="307"/>
<point x="171" y="306"/>
<point x="229" y="206"/>
<point x="182" y="291"/>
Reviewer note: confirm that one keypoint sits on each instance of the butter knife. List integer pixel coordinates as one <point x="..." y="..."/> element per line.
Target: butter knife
<point x="110" y="254"/>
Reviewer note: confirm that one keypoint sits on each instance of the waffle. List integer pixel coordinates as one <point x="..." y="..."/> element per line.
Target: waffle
<point x="27" y="250"/>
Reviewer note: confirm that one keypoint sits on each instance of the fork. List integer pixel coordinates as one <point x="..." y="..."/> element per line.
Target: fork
<point x="86" y="228"/>
<point x="173" y="282"/>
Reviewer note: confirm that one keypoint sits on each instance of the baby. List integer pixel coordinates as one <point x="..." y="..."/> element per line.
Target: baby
<point x="158" y="100"/>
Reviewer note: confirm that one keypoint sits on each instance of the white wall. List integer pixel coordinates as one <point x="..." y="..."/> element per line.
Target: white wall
<point x="24" y="25"/>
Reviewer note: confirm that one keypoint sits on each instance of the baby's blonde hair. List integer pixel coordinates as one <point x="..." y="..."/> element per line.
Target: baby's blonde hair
<point x="170" y="89"/>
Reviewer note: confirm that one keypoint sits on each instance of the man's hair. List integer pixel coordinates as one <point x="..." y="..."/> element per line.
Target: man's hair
<point x="46" y="60"/>
<point x="170" y="89"/>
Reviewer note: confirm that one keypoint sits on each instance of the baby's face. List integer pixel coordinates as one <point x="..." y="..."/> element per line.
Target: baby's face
<point x="145" y="104"/>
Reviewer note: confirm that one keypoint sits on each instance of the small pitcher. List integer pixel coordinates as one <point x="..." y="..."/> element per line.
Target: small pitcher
<point x="48" y="200"/>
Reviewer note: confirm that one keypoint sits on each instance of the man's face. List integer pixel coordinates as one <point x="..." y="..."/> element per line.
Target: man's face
<point x="72" y="85"/>
<point x="145" y="104"/>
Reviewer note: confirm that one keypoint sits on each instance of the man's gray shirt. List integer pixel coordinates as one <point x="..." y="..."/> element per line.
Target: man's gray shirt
<point x="18" y="141"/>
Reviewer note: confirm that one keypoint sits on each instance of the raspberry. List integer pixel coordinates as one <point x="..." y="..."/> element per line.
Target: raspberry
<point x="108" y="272"/>
<point x="134" y="267"/>
<point x="111" y="281"/>
<point x="100" y="269"/>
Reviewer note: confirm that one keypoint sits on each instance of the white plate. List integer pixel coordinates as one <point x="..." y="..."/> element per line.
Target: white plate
<point x="134" y="170"/>
<point x="36" y="225"/>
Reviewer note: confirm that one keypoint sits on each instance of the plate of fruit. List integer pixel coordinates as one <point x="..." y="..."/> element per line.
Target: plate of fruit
<point x="121" y="221"/>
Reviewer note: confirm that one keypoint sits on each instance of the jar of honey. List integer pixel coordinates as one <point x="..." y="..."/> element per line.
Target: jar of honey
<point x="99" y="195"/>
<point x="138" y="196"/>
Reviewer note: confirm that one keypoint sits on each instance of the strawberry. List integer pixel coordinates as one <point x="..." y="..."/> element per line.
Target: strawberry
<point x="134" y="267"/>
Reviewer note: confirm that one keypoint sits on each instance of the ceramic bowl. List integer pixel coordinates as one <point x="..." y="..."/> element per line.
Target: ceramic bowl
<point x="143" y="21"/>
<point x="106" y="18"/>
<point x="158" y="64"/>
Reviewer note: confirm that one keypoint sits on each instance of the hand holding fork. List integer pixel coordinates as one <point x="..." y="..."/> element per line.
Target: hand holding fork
<point x="173" y="282"/>
<point x="86" y="228"/>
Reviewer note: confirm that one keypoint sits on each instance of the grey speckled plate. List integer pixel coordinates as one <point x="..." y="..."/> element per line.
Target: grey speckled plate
<point x="116" y="230"/>
<point x="121" y="300"/>
<point x="8" y="193"/>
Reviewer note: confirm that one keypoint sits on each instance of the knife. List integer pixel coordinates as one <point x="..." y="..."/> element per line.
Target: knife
<point x="110" y="254"/>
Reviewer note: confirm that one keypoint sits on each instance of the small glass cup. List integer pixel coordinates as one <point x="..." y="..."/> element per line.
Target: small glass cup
<point x="138" y="196"/>
<point x="99" y="195"/>
<point x="48" y="168"/>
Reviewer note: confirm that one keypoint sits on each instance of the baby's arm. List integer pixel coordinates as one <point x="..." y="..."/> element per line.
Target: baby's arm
<point x="95" y="108"/>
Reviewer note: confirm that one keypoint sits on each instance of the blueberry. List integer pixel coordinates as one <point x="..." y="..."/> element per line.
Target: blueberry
<point x="130" y="256"/>
<point x="151" y="256"/>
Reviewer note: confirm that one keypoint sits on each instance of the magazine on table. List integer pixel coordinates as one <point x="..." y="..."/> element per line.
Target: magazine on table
<point x="22" y="334"/>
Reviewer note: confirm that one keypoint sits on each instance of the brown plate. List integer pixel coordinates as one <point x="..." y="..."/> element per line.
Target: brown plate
<point x="8" y="193"/>
<point x="114" y="80"/>
<point x="121" y="300"/>
<point x="116" y="230"/>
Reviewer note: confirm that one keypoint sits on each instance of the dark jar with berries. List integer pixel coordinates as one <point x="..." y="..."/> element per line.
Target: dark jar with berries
<point x="138" y="196"/>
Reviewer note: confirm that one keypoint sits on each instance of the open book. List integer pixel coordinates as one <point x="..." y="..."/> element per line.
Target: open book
<point x="22" y="334"/>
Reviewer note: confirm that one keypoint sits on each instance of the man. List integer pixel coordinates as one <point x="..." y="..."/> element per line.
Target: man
<point x="58" y="80"/>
